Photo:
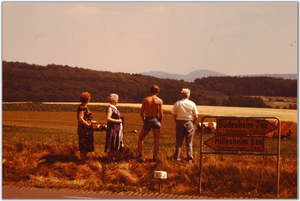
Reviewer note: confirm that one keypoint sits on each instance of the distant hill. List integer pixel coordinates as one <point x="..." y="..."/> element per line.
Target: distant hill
<point x="188" y="78"/>
<point x="56" y="83"/>
<point x="165" y="75"/>
<point x="208" y="73"/>
<point x="204" y="73"/>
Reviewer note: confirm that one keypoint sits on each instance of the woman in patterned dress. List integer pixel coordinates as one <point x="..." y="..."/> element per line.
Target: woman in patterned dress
<point x="114" y="125"/>
<point x="85" y="131"/>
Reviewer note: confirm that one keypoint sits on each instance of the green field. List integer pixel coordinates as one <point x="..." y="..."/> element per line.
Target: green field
<point x="279" y="102"/>
<point x="40" y="150"/>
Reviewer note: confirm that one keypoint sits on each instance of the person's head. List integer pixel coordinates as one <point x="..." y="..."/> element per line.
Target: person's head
<point x="185" y="93"/>
<point x="154" y="89"/>
<point x="113" y="98"/>
<point x="85" y="97"/>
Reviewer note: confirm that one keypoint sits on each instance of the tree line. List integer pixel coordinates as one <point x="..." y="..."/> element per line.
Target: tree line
<point x="250" y="86"/>
<point x="57" y="83"/>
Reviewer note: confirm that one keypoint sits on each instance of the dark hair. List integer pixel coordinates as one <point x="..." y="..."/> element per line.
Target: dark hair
<point x="85" y="97"/>
<point x="154" y="89"/>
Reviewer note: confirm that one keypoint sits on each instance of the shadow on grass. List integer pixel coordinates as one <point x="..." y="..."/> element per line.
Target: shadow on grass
<point x="53" y="158"/>
<point x="70" y="155"/>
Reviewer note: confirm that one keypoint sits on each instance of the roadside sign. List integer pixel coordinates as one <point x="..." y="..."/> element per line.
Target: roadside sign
<point x="236" y="143"/>
<point x="244" y="126"/>
<point x="238" y="135"/>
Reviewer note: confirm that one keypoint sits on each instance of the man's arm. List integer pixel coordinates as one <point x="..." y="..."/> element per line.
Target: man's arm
<point x="142" y="111"/>
<point x="195" y="114"/>
<point x="195" y="119"/>
<point x="161" y="113"/>
<point x="175" y="117"/>
<point x="174" y="113"/>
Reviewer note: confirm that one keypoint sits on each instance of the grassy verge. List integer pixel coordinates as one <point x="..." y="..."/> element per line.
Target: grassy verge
<point x="40" y="149"/>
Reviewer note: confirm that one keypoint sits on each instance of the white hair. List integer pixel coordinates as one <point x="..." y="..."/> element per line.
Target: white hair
<point x="113" y="97"/>
<point x="185" y="93"/>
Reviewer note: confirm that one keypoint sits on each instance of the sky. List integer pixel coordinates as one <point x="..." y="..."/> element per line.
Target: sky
<point x="235" y="38"/>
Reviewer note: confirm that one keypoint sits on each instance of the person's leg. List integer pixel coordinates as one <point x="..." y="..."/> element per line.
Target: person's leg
<point x="156" y="133"/>
<point x="110" y="156"/>
<point x="83" y="156"/>
<point x="142" y="136"/>
<point x="179" y="139"/>
<point x="190" y="130"/>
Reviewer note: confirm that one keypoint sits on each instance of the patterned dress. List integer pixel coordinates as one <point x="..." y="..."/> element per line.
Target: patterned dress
<point x="112" y="132"/>
<point x="85" y="134"/>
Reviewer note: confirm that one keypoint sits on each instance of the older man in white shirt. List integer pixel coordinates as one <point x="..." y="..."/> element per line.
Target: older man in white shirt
<point x="185" y="115"/>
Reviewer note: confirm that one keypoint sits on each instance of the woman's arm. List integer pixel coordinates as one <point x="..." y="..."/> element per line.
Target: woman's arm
<point x="109" y="119"/>
<point x="81" y="119"/>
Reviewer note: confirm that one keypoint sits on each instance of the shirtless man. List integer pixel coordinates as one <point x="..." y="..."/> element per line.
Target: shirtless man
<point x="152" y="105"/>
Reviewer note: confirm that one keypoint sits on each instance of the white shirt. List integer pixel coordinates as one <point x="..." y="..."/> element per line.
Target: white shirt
<point x="185" y="110"/>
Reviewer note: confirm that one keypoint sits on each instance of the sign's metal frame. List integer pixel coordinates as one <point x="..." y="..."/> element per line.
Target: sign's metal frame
<point x="241" y="153"/>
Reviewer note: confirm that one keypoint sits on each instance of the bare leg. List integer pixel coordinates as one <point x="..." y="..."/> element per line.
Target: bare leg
<point x="142" y="136"/>
<point x="110" y="156"/>
<point x="156" y="133"/>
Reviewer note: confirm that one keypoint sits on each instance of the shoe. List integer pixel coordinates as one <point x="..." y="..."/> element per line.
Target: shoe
<point x="177" y="158"/>
<point x="190" y="161"/>
<point x="154" y="159"/>
<point x="140" y="159"/>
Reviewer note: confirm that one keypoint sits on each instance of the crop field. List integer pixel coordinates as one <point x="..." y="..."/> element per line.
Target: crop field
<point x="282" y="114"/>
<point x="40" y="149"/>
<point x="279" y="102"/>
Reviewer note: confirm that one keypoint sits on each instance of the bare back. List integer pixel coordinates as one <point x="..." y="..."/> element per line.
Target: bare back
<point x="152" y="105"/>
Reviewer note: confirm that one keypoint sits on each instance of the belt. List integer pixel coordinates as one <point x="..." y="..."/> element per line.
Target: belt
<point x="152" y="117"/>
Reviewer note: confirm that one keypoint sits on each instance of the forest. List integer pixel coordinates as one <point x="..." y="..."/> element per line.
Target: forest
<point x="56" y="83"/>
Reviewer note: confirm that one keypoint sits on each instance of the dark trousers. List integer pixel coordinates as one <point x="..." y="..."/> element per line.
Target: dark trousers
<point x="184" y="129"/>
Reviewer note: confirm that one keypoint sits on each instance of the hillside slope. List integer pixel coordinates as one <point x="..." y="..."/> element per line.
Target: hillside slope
<point x="56" y="83"/>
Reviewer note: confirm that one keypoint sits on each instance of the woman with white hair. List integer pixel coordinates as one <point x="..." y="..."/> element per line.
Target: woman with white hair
<point x="114" y="133"/>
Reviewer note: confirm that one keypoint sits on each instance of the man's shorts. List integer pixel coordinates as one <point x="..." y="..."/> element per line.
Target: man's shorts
<point x="151" y="122"/>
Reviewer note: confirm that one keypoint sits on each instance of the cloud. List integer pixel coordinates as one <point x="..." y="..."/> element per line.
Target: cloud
<point x="82" y="10"/>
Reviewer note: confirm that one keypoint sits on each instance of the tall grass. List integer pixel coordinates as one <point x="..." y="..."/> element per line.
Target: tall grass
<point x="48" y="157"/>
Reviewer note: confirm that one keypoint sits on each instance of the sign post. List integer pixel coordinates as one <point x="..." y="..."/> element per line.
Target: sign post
<point x="240" y="136"/>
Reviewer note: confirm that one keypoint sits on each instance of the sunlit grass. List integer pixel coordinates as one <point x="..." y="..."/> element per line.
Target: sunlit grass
<point x="46" y="155"/>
